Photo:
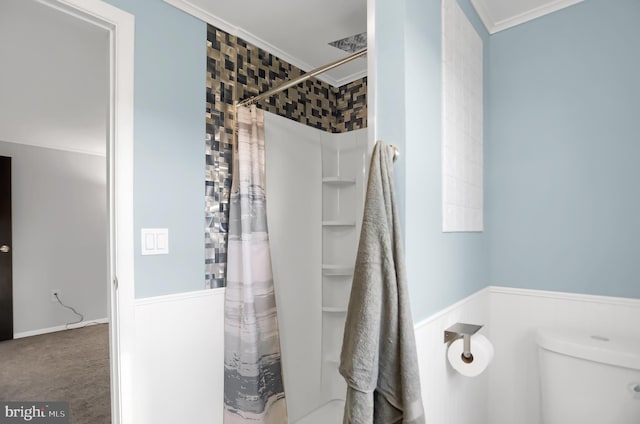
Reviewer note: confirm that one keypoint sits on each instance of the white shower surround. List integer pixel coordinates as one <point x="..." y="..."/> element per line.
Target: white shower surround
<point x="315" y="192"/>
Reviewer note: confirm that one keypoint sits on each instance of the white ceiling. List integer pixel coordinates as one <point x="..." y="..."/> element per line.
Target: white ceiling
<point x="498" y="15"/>
<point x="299" y="31"/>
<point x="54" y="79"/>
<point x="293" y="30"/>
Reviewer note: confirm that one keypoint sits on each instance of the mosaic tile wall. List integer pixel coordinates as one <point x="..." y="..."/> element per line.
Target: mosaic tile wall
<point x="351" y="106"/>
<point x="237" y="70"/>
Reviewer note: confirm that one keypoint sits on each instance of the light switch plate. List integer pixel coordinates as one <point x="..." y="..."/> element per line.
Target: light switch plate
<point x="154" y="241"/>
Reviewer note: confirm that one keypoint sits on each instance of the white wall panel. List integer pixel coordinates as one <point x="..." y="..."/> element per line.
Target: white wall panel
<point x="448" y="397"/>
<point x="514" y="390"/>
<point x="179" y="358"/>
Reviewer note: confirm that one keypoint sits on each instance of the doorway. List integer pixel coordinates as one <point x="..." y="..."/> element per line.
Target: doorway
<point x="118" y="109"/>
<point x="59" y="210"/>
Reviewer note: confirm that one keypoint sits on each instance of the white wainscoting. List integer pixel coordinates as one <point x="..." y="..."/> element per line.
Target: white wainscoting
<point x="508" y="391"/>
<point x="179" y="361"/>
<point x="179" y="353"/>
<point x="514" y="391"/>
<point x="448" y="397"/>
<point x="179" y="356"/>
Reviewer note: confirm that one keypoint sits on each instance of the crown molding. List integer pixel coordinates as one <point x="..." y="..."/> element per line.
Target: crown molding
<point x="494" y="26"/>
<point x="204" y="15"/>
<point x="59" y="147"/>
<point x="349" y="78"/>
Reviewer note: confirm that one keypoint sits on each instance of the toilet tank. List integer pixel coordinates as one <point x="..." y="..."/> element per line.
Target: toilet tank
<point x="588" y="378"/>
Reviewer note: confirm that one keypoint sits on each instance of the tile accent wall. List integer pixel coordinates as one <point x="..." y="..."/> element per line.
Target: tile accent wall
<point x="351" y="106"/>
<point x="237" y="70"/>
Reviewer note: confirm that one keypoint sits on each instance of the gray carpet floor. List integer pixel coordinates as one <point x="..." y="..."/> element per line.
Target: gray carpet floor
<point x="70" y="365"/>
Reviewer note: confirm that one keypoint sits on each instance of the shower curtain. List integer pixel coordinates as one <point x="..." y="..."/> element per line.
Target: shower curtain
<point x="253" y="384"/>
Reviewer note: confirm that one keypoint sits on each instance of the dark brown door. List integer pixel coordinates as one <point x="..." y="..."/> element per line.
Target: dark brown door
<point x="6" y="285"/>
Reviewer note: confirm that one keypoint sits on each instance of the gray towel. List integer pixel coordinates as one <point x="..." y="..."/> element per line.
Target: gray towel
<point x="378" y="358"/>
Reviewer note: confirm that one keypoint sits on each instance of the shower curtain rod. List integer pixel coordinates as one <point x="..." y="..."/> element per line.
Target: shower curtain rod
<point x="298" y="80"/>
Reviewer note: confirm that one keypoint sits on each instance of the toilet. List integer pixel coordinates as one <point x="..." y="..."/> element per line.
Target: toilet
<point x="588" y="378"/>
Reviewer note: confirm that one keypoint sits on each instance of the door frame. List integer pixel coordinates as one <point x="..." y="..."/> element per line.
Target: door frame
<point x="120" y="26"/>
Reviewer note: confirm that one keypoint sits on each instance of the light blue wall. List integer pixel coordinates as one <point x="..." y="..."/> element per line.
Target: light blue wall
<point x="564" y="163"/>
<point x="561" y="151"/>
<point x="390" y="106"/>
<point x="169" y="134"/>
<point x="442" y="268"/>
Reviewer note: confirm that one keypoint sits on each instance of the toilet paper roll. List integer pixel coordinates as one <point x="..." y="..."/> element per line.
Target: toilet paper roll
<point x="482" y="351"/>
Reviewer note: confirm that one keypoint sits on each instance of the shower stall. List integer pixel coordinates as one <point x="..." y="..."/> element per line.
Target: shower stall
<point x="315" y="195"/>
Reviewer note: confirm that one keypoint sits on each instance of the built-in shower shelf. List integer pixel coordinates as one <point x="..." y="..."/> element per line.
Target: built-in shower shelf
<point x="338" y="181"/>
<point x="334" y="310"/>
<point x="342" y="195"/>
<point x="337" y="271"/>
<point x="338" y="224"/>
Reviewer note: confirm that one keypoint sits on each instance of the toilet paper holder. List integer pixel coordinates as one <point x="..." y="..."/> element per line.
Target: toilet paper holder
<point x="464" y="331"/>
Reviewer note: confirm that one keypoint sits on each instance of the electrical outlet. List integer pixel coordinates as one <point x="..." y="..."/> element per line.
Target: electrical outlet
<point x="55" y="292"/>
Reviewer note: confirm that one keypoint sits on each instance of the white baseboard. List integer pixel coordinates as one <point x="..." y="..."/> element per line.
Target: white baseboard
<point x="60" y="328"/>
